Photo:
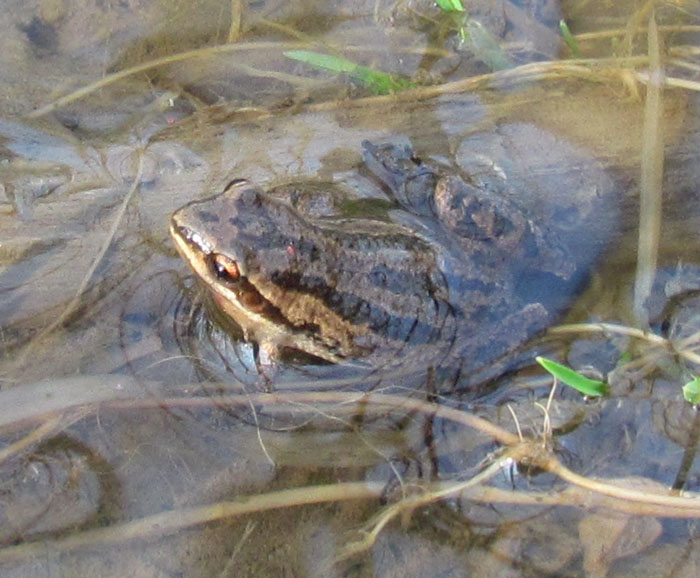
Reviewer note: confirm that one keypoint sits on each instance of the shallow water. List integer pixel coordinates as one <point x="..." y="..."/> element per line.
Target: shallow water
<point x="145" y="415"/>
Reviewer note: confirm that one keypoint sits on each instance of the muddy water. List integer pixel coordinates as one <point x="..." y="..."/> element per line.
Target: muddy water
<point x="148" y="408"/>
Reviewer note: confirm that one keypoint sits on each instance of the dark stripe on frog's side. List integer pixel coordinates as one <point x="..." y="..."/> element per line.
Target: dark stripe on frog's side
<point x="245" y="291"/>
<point x="356" y="310"/>
<point x="396" y="282"/>
<point x="402" y="276"/>
<point x="400" y="329"/>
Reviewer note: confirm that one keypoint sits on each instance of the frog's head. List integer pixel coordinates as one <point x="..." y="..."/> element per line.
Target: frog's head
<point x="253" y="252"/>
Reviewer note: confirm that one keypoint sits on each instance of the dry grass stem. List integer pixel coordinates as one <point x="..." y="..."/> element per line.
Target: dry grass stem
<point x="651" y="179"/>
<point x="598" y="70"/>
<point x="74" y="303"/>
<point x="583" y="491"/>
<point x="167" y="523"/>
<point x="152" y="64"/>
<point x="408" y="505"/>
<point x="671" y="82"/>
<point x="228" y="569"/>
<point x="680" y="63"/>
<point x="614" y="32"/>
<point x="648" y="336"/>
<point x="238" y="9"/>
<point x="49" y="428"/>
<point x="611" y="328"/>
<point x="516" y="422"/>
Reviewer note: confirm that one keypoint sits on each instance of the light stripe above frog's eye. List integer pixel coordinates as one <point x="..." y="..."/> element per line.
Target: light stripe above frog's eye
<point x="225" y="268"/>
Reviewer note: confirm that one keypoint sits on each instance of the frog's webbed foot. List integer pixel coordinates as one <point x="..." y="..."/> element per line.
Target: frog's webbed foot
<point x="410" y="181"/>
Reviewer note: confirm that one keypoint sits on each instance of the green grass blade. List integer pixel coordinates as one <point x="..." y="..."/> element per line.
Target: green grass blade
<point x="572" y="378"/>
<point x="569" y="38"/>
<point x="378" y="82"/>
<point x="451" y="5"/>
<point x="323" y="61"/>
<point x="691" y="391"/>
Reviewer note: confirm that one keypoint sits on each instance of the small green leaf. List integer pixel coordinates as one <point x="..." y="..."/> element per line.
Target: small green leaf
<point x="572" y="378"/>
<point x="319" y="60"/>
<point x="380" y="82"/>
<point x="377" y="81"/>
<point x="451" y="5"/>
<point x="691" y="391"/>
<point x="569" y="38"/>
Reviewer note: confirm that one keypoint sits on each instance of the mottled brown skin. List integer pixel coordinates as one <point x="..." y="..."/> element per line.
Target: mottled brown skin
<point x="335" y="288"/>
<point x="435" y="279"/>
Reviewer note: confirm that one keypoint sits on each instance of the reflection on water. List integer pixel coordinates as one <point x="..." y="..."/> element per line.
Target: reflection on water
<point x="133" y="422"/>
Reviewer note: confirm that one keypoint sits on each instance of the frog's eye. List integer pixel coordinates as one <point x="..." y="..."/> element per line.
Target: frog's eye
<point x="225" y="268"/>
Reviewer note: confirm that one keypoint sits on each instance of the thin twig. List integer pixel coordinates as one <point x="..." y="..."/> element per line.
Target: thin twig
<point x="46" y="429"/>
<point x="74" y="303"/>
<point x="167" y="523"/>
<point x="630" y="332"/>
<point x="155" y="63"/>
<point x="412" y="503"/>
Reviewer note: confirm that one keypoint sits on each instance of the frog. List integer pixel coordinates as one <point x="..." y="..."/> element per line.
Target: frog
<point x="447" y="276"/>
